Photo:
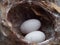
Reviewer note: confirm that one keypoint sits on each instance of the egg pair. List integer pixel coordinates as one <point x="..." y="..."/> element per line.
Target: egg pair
<point x="31" y="27"/>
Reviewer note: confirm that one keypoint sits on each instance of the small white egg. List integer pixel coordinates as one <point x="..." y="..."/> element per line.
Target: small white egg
<point x="35" y="36"/>
<point x="30" y="25"/>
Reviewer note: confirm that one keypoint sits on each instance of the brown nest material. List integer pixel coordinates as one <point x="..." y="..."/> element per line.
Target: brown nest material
<point x="18" y="12"/>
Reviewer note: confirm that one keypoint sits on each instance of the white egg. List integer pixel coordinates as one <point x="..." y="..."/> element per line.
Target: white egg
<point x="30" y="25"/>
<point x="35" y="36"/>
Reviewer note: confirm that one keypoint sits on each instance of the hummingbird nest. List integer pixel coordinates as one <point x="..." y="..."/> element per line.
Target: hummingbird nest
<point x="16" y="12"/>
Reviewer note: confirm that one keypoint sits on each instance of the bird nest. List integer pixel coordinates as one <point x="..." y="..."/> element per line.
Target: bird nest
<point x="16" y="13"/>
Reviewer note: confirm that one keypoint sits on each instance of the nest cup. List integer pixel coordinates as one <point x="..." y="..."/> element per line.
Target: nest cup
<point x="20" y="12"/>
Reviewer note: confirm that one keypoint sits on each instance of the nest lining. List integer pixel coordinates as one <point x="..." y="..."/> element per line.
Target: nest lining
<point x="24" y="11"/>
